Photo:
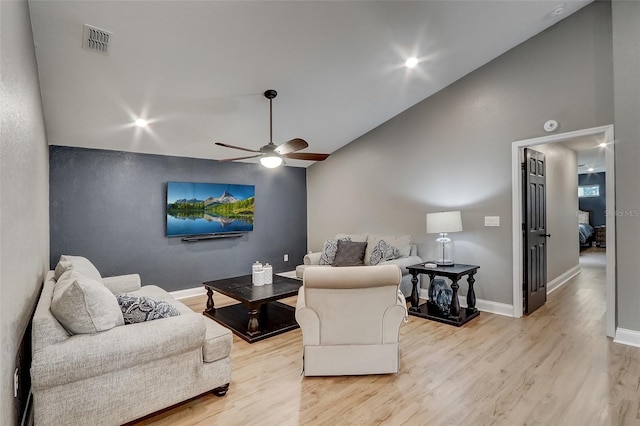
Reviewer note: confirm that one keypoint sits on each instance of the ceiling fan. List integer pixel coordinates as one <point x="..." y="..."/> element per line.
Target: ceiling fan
<point x="271" y="155"/>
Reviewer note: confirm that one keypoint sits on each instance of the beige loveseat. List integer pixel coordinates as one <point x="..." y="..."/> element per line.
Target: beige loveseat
<point x="128" y="371"/>
<point x="406" y="255"/>
<point x="350" y="319"/>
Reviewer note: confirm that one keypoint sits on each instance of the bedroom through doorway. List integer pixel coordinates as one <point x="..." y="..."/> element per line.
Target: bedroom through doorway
<point x="584" y="193"/>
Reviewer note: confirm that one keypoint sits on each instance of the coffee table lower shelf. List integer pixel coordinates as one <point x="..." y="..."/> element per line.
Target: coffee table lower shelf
<point x="427" y="311"/>
<point x="274" y="318"/>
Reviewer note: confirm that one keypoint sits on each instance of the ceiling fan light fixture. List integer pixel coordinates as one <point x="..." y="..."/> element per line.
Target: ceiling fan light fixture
<point x="271" y="161"/>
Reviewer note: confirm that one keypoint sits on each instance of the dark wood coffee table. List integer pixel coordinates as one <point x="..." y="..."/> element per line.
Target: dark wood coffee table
<point x="259" y="315"/>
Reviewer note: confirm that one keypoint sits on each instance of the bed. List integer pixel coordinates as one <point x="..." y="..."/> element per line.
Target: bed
<point x="585" y="230"/>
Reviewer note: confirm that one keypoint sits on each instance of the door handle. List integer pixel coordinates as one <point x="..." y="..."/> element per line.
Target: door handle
<point x="546" y="235"/>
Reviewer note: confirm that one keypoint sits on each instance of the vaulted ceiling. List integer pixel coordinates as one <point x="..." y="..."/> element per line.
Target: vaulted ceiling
<point x="197" y="70"/>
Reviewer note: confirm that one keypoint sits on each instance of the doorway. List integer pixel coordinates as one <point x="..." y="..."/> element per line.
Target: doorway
<point x="606" y="133"/>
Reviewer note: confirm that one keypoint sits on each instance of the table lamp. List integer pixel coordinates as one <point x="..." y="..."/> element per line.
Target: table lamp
<point x="442" y="223"/>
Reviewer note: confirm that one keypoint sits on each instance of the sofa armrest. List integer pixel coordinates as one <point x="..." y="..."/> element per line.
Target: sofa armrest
<point x="308" y="320"/>
<point x="312" y="258"/>
<point x="89" y="355"/>
<point x="391" y="320"/>
<point x="403" y="262"/>
<point x="122" y="283"/>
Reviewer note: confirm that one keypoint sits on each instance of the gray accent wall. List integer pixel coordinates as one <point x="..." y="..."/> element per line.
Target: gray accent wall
<point x="563" y="248"/>
<point x="24" y="195"/>
<point x="452" y="151"/>
<point x="597" y="206"/>
<point x="109" y="206"/>
<point x="626" y="55"/>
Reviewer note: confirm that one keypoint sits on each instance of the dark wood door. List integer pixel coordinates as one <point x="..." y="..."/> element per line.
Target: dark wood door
<point x="535" y="231"/>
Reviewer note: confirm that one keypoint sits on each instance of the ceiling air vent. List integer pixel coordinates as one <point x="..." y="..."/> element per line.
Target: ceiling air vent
<point x="95" y="39"/>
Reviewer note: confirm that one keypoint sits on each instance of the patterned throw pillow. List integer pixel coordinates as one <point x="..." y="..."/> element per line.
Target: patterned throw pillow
<point x="329" y="249"/>
<point x="383" y="251"/>
<point x="140" y="308"/>
<point x="350" y="253"/>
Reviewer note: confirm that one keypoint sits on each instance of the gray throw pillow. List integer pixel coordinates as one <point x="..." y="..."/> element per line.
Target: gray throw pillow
<point x="350" y="253"/>
<point x="141" y="308"/>
<point x="81" y="265"/>
<point x="329" y="249"/>
<point x="83" y="305"/>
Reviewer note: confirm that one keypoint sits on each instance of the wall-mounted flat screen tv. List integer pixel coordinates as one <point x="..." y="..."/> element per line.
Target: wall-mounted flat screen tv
<point x="208" y="208"/>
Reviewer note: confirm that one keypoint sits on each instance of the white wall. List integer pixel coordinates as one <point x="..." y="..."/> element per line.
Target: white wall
<point x="453" y="150"/>
<point x="562" y="205"/>
<point x="24" y="191"/>
<point x="626" y="55"/>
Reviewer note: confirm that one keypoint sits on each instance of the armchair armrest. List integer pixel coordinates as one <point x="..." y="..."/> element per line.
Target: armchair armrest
<point x="308" y="320"/>
<point x="122" y="283"/>
<point x="403" y="262"/>
<point x="312" y="258"/>
<point x="89" y="355"/>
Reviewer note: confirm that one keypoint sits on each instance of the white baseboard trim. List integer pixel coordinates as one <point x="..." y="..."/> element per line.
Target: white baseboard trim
<point x="482" y="305"/>
<point x="627" y="337"/>
<point x="562" y="279"/>
<point x="189" y="292"/>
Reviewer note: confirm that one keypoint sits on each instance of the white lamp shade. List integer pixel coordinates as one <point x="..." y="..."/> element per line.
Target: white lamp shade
<point x="444" y="222"/>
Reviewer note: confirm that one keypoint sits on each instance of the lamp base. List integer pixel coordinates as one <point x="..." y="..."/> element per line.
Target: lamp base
<point x="445" y="263"/>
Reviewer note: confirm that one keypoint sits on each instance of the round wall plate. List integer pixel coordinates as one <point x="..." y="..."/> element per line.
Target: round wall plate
<point x="550" y="125"/>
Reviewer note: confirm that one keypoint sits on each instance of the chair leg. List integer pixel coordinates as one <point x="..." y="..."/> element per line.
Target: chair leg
<point x="221" y="391"/>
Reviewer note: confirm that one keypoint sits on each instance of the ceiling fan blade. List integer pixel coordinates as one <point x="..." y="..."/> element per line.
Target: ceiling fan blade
<point x="235" y="147"/>
<point x="291" y="146"/>
<point x="306" y="156"/>
<point x="239" y="158"/>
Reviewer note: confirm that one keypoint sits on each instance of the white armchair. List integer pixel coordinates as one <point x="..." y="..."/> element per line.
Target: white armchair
<point x="350" y="319"/>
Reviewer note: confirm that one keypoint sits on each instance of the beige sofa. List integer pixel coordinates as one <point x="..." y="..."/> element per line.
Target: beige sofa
<point x="407" y="255"/>
<point x="350" y="319"/>
<point x="128" y="371"/>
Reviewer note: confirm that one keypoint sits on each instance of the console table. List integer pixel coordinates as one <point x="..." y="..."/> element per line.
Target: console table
<point x="458" y="316"/>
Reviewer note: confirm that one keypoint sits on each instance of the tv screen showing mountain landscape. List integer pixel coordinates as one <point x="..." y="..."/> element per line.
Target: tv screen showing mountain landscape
<point x="208" y="208"/>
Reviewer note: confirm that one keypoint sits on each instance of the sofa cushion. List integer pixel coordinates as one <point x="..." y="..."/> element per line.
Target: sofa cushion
<point x="402" y="243"/>
<point x="329" y="249"/>
<point x="137" y="309"/>
<point x="80" y="264"/>
<point x="218" y="339"/>
<point x="350" y="253"/>
<point x="383" y="251"/>
<point x="361" y="238"/>
<point x="83" y="305"/>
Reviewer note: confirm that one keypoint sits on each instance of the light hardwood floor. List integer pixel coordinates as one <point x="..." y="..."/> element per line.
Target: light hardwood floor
<point x="554" y="367"/>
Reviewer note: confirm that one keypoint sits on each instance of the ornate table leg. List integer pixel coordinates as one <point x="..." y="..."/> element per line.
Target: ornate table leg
<point x="210" y="306"/>
<point x="432" y="290"/>
<point x="254" y="325"/>
<point x="471" y="295"/>
<point x="415" y="300"/>
<point x="455" y="303"/>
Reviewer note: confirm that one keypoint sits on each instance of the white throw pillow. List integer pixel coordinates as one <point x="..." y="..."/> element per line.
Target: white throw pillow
<point x="83" y="305"/>
<point x="81" y="264"/>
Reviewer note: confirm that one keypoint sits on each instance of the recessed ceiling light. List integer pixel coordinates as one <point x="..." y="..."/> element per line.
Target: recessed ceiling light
<point x="141" y="122"/>
<point x="590" y="169"/>
<point x="557" y="11"/>
<point x="411" y="62"/>
<point x="602" y="145"/>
